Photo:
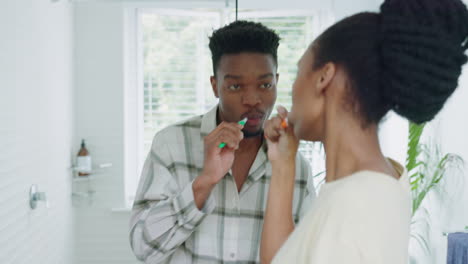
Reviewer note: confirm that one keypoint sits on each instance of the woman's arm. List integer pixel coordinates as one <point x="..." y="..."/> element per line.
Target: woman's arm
<point x="278" y="220"/>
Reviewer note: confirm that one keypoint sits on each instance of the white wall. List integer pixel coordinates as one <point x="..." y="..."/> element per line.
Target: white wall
<point x="344" y="8"/>
<point x="453" y="131"/>
<point x="101" y="235"/>
<point x="36" y="126"/>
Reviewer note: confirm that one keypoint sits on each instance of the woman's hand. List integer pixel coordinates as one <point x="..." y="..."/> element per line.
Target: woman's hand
<point x="282" y="143"/>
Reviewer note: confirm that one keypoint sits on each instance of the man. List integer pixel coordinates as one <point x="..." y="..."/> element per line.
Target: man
<point x="198" y="202"/>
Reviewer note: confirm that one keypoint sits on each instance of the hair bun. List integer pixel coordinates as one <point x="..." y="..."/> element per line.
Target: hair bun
<point x="422" y="46"/>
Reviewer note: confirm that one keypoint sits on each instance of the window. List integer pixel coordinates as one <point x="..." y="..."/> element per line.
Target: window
<point x="176" y="67"/>
<point x="175" y="64"/>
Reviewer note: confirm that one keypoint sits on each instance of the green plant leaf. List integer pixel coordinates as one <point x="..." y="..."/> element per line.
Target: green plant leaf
<point x="414" y="136"/>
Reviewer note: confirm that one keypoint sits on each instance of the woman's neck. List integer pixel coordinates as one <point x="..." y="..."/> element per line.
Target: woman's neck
<point x="351" y="148"/>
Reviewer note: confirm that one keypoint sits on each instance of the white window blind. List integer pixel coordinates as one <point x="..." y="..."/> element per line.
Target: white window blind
<point x="177" y="64"/>
<point x="176" y="67"/>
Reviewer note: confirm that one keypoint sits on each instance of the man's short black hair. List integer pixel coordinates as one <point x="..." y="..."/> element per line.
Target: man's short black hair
<point x="243" y="36"/>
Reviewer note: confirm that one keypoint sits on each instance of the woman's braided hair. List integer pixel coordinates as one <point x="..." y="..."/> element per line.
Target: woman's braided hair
<point x="407" y="58"/>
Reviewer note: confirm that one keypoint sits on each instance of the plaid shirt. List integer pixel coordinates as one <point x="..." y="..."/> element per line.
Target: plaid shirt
<point x="167" y="226"/>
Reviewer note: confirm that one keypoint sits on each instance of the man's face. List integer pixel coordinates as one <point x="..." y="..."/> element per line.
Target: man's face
<point x="245" y="84"/>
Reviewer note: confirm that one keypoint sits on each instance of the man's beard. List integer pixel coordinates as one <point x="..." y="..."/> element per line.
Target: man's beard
<point x="248" y="134"/>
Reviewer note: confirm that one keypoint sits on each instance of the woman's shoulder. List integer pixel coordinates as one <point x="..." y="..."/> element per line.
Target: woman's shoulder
<point x="364" y="191"/>
<point x="364" y="181"/>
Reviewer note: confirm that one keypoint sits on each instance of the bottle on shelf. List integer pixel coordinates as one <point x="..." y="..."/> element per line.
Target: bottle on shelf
<point x="83" y="160"/>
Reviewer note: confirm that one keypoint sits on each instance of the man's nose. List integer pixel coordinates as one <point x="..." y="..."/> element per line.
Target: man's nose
<point x="251" y="97"/>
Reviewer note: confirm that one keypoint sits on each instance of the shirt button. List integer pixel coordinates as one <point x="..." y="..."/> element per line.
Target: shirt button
<point x="233" y="255"/>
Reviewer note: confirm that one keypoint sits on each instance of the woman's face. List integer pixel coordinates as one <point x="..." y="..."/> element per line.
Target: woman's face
<point x="308" y="101"/>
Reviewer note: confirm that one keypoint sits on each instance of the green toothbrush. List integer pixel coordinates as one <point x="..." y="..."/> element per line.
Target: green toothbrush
<point x="242" y="122"/>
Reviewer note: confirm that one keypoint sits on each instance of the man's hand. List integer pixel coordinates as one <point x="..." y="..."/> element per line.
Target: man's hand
<point x="217" y="160"/>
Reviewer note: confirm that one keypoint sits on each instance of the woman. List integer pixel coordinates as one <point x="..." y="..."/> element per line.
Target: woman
<point x="407" y="58"/>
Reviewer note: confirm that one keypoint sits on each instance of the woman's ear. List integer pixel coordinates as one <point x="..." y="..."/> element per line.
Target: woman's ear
<point x="326" y="75"/>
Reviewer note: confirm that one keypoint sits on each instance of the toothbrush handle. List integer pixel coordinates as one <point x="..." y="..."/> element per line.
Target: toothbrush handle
<point x="242" y="122"/>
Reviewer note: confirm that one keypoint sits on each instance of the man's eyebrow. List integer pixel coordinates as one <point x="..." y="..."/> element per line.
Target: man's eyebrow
<point x="230" y="76"/>
<point x="264" y="76"/>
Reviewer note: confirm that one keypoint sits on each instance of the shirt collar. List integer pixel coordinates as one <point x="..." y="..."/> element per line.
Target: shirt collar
<point x="258" y="167"/>
<point x="208" y="123"/>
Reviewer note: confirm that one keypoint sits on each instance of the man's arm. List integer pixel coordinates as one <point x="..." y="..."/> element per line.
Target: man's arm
<point x="164" y="215"/>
